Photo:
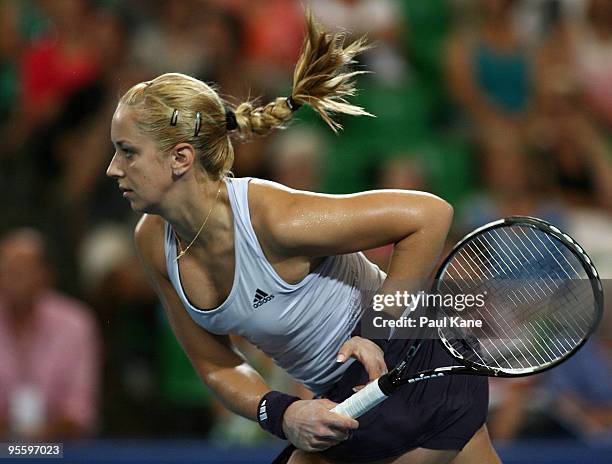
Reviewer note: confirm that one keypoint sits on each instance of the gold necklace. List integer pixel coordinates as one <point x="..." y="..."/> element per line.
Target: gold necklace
<point x="178" y="240"/>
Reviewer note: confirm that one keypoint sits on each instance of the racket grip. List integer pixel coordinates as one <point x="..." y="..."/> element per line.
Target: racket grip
<point x="362" y="401"/>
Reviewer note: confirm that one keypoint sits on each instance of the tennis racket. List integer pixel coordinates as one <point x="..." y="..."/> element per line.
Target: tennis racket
<point x="543" y="299"/>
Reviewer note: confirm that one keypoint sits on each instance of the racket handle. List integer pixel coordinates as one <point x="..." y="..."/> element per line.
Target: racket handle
<point x="362" y="401"/>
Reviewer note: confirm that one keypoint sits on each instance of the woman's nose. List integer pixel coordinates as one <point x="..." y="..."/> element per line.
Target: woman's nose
<point x="113" y="169"/>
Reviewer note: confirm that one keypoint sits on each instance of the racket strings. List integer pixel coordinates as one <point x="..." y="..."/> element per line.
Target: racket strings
<point x="538" y="304"/>
<point x="521" y="294"/>
<point x="500" y="333"/>
<point x="556" y="283"/>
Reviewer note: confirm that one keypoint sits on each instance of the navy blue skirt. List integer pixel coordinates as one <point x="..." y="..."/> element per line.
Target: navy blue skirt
<point x="442" y="413"/>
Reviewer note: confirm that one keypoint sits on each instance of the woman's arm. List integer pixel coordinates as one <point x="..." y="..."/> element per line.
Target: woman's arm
<point x="222" y="368"/>
<point x="296" y="223"/>
<point x="215" y="359"/>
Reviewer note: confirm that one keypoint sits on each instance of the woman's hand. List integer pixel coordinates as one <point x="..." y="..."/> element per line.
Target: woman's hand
<point x="311" y="426"/>
<point x="367" y="353"/>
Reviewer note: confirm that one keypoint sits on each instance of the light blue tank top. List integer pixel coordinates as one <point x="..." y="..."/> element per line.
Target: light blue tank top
<point x="300" y="326"/>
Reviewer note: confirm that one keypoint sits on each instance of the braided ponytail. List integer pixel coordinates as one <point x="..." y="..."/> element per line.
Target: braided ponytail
<point x="175" y="108"/>
<point x="320" y="80"/>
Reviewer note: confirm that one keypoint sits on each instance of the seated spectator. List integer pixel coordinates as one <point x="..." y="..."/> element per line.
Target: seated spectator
<point x="577" y="150"/>
<point x="581" y="391"/>
<point x="295" y="159"/>
<point x="381" y="21"/>
<point x="59" y="62"/>
<point x="130" y="326"/>
<point x="513" y="183"/>
<point x="490" y="71"/>
<point x="594" y="59"/>
<point x="48" y="348"/>
<point x="565" y="128"/>
<point x="174" y="40"/>
<point x="573" y="400"/>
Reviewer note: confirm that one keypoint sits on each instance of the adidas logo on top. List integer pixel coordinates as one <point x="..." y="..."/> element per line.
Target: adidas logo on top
<point x="261" y="298"/>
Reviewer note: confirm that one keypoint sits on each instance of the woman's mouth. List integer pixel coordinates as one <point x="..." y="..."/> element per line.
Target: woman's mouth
<point x="125" y="192"/>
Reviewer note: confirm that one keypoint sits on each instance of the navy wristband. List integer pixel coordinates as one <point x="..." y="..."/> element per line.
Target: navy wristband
<point x="271" y="410"/>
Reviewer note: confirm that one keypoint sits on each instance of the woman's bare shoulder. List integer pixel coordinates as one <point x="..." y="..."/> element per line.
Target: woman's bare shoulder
<point x="269" y="204"/>
<point x="149" y="238"/>
<point x="259" y="187"/>
<point x="267" y="198"/>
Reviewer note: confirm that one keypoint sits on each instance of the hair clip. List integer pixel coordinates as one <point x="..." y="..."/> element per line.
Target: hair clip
<point x="174" y="118"/>
<point x="198" y="124"/>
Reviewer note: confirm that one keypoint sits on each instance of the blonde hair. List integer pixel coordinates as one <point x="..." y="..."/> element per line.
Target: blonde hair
<point x="320" y="79"/>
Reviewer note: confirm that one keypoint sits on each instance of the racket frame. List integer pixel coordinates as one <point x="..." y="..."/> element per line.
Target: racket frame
<point x="378" y="390"/>
<point x="556" y="234"/>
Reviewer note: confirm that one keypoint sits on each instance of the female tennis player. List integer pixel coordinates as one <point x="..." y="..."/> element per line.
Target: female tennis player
<point x="282" y="268"/>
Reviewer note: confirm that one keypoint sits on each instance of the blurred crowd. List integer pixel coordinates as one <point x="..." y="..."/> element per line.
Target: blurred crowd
<point x="502" y="107"/>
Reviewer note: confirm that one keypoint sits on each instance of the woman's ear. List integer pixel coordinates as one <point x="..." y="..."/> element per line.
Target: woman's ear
<point x="183" y="157"/>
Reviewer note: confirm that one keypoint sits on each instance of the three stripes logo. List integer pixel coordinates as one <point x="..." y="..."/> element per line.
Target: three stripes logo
<point x="263" y="413"/>
<point x="261" y="298"/>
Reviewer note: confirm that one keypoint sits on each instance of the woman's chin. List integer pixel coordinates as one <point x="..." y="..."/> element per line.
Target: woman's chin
<point x="143" y="209"/>
<point x="138" y="207"/>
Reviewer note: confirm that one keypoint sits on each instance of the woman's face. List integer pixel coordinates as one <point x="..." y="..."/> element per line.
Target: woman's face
<point x="143" y="173"/>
